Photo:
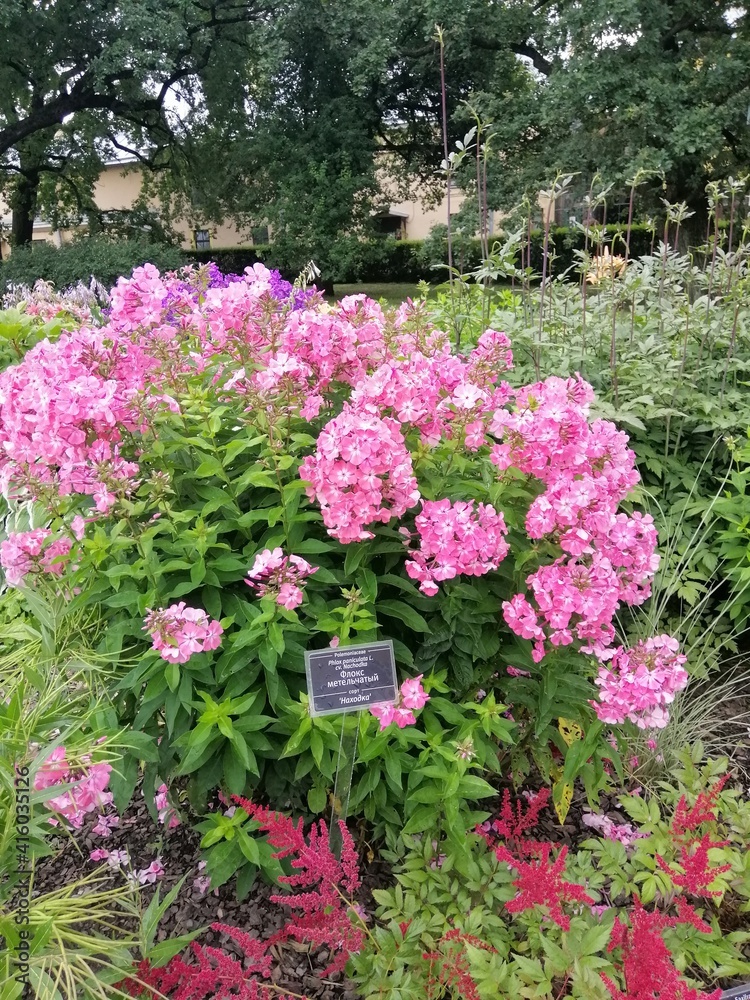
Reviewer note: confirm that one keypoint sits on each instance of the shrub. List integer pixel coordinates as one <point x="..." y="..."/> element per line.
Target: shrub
<point x="229" y="434"/>
<point x="100" y="257"/>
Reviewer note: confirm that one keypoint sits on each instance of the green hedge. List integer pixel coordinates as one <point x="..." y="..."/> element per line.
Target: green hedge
<point x="378" y="261"/>
<point x="96" y="256"/>
<point x="422" y="260"/>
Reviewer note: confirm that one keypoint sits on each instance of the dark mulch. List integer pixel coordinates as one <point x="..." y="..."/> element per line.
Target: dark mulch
<point x="298" y="969"/>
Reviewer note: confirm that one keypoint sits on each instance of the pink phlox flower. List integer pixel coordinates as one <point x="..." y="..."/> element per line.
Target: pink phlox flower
<point x="148" y="876"/>
<point x="177" y="632"/>
<point x="282" y="577"/>
<point x="361" y="472"/>
<point x="639" y="683"/>
<point x="27" y="553"/>
<point x="105" y="824"/>
<point x="625" y="833"/>
<point x="411" y="697"/>
<point x="87" y="794"/>
<point x="454" y="539"/>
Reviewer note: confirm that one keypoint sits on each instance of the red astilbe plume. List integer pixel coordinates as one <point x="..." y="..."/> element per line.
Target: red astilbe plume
<point x="687" y="820"/>
<point x="329" y="883"/>
<point x="541" y="883"/>
<point x="646" y="962"/>
<point x="214" y="975"/>
<point x="687" y="915"/>
<point x="449" y="966"/>
<point x="698" y="873"/>
<point x="512" y="823"/>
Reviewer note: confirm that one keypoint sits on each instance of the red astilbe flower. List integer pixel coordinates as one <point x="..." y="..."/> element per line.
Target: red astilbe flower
<point x="687" y="915"/>
<point x="686" y="821"/>
<point x="449" y="965"/>
<point x="513" y="823"/>
<point x="541" y="883"/>
<point x="213" y="976"/>
<point x="329" y="883"/>
<point x="698" y="873"/>
<point x="646" y="962"/>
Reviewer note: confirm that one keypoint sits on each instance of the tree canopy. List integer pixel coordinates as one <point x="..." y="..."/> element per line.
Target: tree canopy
<point x="81" y="78"/>
<point x="285" y="108"/>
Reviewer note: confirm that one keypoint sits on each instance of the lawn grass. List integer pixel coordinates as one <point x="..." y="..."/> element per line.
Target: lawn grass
<point x="393" y="292"/>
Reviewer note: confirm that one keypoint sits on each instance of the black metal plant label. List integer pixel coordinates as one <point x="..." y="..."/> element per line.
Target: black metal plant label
<point x="351" y="677"/>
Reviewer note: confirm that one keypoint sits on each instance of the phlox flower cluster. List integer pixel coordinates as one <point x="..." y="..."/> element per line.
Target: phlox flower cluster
<point x="587" y="468"/>
<point x="361" y="472"/>
<point x="177" y="632"/>
<point x="88" y="793"/>
<point x="26" y="553"/>
<point x="282" y="577"/>
<point x="333" y="345"/>
<point x="412" y="696"/>
<point x="440" y="393"/>
<point x="455" y="538"/>
<point x="638" y="683"/>
<point x="63" y="412"/>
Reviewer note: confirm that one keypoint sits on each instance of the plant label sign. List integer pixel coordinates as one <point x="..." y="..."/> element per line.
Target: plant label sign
<point x="737" y="993"/>
<point x="350" y="678"/>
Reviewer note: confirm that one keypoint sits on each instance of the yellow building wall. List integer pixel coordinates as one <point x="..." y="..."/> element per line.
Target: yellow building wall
<point x="119" y="187"/>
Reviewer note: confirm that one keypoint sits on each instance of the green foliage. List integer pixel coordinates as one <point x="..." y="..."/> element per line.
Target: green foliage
<point x="391" y="260"/>
<point x="229" y="850"/>
<point x="224" y="488"/>
<point x="665" y="346"/>
<point x="439" y="892"/>
<point x="100" y="257"/>
<point x="733" y="510"/>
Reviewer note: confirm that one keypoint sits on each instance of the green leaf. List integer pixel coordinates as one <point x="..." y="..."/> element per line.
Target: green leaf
<point x="249" y="848"/>
<point x="235" y="770"/>
<point x="210" y="467"/>
<point x="163" y="951"/>
<point x="471" y="786"/>
<point x="172" y="673"/>
<point x="276" y="637"/>
<point x="423" y="818"/>
<point x="316" y="745"/>
<point x="145" y="746"/>
<point x="222" y="861"/>
<point x="402" y="611"/>
<point x="317" y="799"/>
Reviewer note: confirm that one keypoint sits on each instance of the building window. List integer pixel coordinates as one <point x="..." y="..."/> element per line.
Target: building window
<point x="202" y="239"/>
<point x="260" y="235"/>
<point x="390" y="225"/>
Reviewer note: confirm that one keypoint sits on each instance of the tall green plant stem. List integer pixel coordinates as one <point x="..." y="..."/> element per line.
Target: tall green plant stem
<point x="444" y="107"/>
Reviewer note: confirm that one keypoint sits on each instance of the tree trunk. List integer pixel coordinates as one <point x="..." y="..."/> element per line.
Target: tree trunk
<point x="23" y="204"/>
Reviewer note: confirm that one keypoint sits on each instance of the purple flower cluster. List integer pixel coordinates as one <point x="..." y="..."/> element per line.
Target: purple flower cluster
<point x="281" y="289"/>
